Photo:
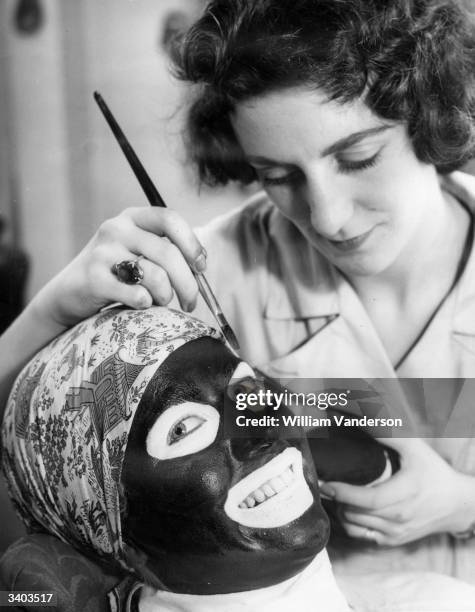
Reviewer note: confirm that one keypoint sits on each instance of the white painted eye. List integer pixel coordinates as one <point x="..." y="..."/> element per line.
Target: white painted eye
<point x="183" y="429"/>
<point x="243" y="370"/>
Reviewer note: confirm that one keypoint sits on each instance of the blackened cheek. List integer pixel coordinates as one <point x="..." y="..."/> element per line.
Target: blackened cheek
<point x="214" y="483"/>
<point x="202" y="479"/>
<point x="208" y="480"/>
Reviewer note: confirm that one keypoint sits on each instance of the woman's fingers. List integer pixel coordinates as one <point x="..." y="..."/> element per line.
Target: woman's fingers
<point x="395" y="490"/>
<point x="401" y="512"/>
<point x="171" y="270"/>
<point x="379" y="531"/>
<point x="104" y="285"/>
<point x="154" y="288"/>
<point x="372" y="528"/>
<point x="363" y="533"/>
<point x="134" y="296"/>
<point x="152" y="233"/>
<point x="168" y="223"/>
<point x="168" y="246"/>
<point x="368" y="521"/>
<point x="156" y="281"/>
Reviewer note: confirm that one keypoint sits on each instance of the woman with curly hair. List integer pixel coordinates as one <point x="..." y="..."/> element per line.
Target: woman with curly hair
<point x="356" y="260"/>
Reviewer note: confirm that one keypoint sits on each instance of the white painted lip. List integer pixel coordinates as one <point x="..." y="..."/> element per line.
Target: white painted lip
<point x="283" y="507"/>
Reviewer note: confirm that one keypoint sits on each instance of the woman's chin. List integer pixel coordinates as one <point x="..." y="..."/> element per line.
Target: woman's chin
<point x="361" y="263"/>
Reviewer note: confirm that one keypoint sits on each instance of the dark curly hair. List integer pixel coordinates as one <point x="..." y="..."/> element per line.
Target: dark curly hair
<point x="412" y="60"/>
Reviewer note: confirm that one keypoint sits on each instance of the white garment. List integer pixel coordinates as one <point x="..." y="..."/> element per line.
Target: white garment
<point x="313" y="590"/>
<point x="296" y="317"/>
<point x="407" y="592"/>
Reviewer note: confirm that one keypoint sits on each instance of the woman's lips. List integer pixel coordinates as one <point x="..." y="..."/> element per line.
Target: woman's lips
<point x="351" y="244"/>
<point x="251" y="503"/>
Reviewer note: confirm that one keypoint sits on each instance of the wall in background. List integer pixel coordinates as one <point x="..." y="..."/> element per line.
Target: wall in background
<point x="69" y="174"/>
<point x="61" y="172"/>
<point x="37" y="144"/>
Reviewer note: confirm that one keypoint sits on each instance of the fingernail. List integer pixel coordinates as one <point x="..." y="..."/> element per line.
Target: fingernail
<point x="200" y="261"/>
<point x="328" y="491"/>
<point x="189" y="306"/>
<point x="144" y="302"/>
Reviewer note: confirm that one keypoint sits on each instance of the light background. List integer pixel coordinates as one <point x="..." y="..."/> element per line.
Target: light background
<point x="61" y="172"/>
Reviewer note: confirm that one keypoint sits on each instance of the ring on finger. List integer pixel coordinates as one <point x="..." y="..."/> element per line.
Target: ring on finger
<point x="129" y="271"/>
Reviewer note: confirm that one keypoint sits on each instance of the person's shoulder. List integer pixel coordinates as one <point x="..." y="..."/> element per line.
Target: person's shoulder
<point x="253" y="216"/>
<point x="242" y="233"/>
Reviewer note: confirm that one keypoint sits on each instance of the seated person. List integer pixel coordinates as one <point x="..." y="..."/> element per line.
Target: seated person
<point x="116" y="441"/>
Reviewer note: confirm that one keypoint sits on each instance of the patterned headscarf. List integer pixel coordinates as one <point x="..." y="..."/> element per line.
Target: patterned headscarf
<point x="69" y="416"/>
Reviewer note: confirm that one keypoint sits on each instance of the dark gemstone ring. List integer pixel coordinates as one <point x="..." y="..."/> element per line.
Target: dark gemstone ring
<point x="129" y="271"/>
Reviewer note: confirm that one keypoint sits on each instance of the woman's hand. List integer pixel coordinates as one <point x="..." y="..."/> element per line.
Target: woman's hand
<point x="426" y="496"/>
<point x="168" y="246"/>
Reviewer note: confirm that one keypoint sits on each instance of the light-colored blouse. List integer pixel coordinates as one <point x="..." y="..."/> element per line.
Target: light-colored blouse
<point x="297" y="317"/>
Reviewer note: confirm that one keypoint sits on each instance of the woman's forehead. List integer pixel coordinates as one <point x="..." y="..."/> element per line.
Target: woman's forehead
<point x="274" y="124"/>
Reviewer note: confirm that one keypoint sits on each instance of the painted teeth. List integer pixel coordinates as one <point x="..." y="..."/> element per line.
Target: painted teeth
<point x="268" y="489"/>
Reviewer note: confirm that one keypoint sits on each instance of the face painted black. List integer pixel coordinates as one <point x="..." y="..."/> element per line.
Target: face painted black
<point x="180" y="466"/>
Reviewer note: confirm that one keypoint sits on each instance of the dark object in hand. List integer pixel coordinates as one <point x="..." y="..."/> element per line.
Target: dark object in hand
<point x="352" y="456"/>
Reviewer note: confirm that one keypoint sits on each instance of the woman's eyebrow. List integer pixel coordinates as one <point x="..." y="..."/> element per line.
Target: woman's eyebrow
<point x="352" y="139"/>
<point x="337" y="146"/>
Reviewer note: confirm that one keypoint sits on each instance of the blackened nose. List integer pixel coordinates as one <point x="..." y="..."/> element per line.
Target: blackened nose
<point x="261" y="445"/>
<point x="248" y="448"/>
<point x="243" y="387"/>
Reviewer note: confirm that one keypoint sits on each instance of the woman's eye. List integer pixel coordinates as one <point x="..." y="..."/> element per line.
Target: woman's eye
<point x="290" y="178"/>
<point x="184" y="428"/>
<point x="355" y="165"/>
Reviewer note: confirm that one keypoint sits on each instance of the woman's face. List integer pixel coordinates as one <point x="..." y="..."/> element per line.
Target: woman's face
<point x="214" y="507"/>
<point x="346" y="178"/>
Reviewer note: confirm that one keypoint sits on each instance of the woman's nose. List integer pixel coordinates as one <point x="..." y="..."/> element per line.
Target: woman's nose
<point x="330" y="204"/>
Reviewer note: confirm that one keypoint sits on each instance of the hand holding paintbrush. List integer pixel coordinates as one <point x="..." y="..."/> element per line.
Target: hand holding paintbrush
<point x="155" y="199"/>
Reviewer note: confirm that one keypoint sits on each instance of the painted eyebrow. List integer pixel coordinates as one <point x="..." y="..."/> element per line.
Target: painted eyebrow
<point x="336" y="147"/>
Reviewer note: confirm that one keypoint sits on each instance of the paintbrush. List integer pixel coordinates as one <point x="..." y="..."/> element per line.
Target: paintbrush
<point x="155" y="199"/>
